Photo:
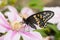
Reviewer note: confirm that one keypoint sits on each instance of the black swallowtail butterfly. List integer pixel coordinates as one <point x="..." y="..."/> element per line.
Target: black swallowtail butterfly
<point x="39" y="19"/>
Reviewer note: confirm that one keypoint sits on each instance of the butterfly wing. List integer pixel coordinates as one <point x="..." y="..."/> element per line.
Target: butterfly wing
<point x="39" y="18"/>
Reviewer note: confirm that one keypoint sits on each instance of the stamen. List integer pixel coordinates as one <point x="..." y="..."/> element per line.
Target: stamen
<point x="16" y="26"/>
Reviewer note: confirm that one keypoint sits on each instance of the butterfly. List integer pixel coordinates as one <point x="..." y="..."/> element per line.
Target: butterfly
<point x="39" y="19"/>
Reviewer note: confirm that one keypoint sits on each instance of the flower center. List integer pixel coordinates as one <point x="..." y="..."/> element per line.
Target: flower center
<point x="16" y="26"/>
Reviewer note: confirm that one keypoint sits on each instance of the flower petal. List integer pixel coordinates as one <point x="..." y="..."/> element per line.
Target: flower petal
<point x="10" y="35"/>
<point x="13" y="14"/>
<point x="12" y="9"/>
<point x="28" y="28"/>
<point x="17" y="36"/>
<point x="2" y="38"/>
<point x="3" y="21"/>
<point x="2" y="29"/>
<point x="32" y="35"/>
<point x="26" y="12"/>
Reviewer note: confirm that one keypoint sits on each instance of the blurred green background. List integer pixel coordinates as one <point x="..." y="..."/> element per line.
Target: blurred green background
<point x="34" y="4"/>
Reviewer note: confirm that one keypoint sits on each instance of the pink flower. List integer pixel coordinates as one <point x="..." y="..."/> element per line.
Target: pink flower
<point x="2" y="38"/>
<point x="15" y="28"/>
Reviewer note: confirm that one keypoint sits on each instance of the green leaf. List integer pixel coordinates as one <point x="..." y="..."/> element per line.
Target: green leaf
<point x="53" y="27"/>
<point x="18" y="8"/>
<point x="2" y="34"/>
<point x="42" y="32"/>
<point x="3" y="3"/>
<point x="21" y="38"/>
<point x="11" y="2"/>
<point x="57" y="36"/>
